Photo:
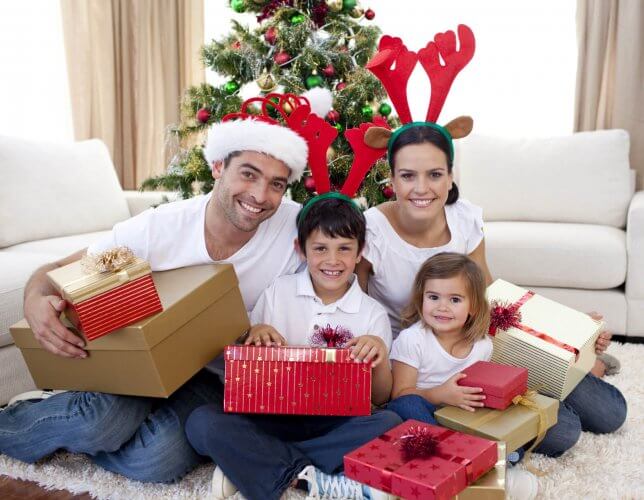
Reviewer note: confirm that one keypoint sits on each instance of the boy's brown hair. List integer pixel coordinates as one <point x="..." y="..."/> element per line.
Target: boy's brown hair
<point x="449" y="265"/>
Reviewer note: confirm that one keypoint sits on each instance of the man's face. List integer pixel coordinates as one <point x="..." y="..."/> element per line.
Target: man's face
<point x="249" y="190"/>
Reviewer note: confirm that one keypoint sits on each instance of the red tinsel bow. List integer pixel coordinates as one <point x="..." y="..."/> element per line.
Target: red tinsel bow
<point x="418" y="443"/>
<point x="329" y="336"/>
<point x="503" y="316"/>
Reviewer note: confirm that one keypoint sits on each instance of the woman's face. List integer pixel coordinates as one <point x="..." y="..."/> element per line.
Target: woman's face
<point x="421" y="181"/>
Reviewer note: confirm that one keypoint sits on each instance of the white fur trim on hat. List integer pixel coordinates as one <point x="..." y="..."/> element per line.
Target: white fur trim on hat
<point x="278" y="141"/>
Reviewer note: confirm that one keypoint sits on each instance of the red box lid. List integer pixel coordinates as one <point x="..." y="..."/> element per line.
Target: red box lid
<point x="495" y="379"/>
<point x="289" y="353"/>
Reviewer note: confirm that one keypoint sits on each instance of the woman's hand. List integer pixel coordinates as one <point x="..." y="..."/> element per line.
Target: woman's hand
<point x="603" y="340"/>
<point x="368" y="348"/>
<point x="467" y="398"/>
<point x="264" y="335"/>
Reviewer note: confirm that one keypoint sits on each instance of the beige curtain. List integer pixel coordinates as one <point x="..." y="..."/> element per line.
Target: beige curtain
<point x="129" y="61"/>
<point x="610" y="71"/>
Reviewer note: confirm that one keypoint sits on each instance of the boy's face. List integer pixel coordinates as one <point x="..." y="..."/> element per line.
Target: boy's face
<point x="331" y="262"/>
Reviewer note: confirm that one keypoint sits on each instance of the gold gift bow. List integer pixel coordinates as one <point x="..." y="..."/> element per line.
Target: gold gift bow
<point x="113" y="260"/>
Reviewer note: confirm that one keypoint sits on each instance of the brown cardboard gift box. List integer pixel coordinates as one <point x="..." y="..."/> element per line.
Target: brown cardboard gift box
<point x="203" y="312"/>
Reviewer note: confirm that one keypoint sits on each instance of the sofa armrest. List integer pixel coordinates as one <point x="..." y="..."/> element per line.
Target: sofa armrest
<point x="635" y="247"/>
<point x="138" y="201"/>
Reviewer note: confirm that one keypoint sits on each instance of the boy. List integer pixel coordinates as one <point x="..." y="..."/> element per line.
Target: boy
<point x="264" y="454"/>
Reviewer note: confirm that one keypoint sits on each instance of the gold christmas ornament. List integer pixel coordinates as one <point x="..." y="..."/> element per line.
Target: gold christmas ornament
<point x="356" y="12"/>
<point x="266" y="82"/>
<point x="334" y="5"/>
<point x="330" y="154"/>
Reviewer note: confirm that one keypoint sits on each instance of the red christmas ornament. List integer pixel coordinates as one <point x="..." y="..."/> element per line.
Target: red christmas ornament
<point x="203" y="115"/>
<point x="282" y="57"/>
<point x="503" y="316"/>
<point x="340" y="86"/>
<point x="309" y="184"/>
<point x="271" y="35"/>
<point x="388" y="192"/>
<point x="369" y="14"/>
<point x="333" y="116"/>
<point x="236" y="45"/>
<point x="418" y="443"/>
<point x="328" y="71"/>
<point x="329" y="336"/>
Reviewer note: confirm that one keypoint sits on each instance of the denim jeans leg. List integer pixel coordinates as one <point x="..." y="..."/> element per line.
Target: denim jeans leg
<point x="601" y="406"/>
<point x="248" y="449"/>
<point x="563" y="435"/>
<point x="326" y="451"/>
<point x="80" y="422"/>
<point x="413" y="406"/>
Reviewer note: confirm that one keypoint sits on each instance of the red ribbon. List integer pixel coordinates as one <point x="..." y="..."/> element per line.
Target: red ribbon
<point x="516" y="323"/>
<point x="388" y="471"/>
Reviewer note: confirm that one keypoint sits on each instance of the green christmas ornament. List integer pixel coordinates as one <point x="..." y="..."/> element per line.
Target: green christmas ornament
<point x="366" y="112"/>
<point x="298" y="19"/>
<point x="348" y="5"/>
<point x="339" y="128"/>
<point x="238" y="6"/>
<point x="231" y="87"/>
<point x="314" y="81"/>
<point x="384" y="109"/>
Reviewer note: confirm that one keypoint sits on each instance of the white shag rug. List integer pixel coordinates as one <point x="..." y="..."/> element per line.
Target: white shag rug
<point x="598" y="467"/>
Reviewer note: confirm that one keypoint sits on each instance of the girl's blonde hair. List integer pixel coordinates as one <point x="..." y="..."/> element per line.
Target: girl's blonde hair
<point x="449" y="265"/>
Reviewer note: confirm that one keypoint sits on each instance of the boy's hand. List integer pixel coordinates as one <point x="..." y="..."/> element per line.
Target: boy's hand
<point x="467" y="398"/>
<point x="368" y="348"/>
<point x="264" y="335"/>
<point x="603" y="340"/>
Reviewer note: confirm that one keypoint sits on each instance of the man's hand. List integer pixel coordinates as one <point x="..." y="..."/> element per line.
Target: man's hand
<point x="264" y="335"/>
<point x="43" y="315"/>
<point x="467" y="398"/>
<point x="603" y="340"/>
<point x="368" y="348"/>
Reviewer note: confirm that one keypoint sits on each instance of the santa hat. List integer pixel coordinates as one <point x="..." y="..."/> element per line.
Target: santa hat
<point x="289" y="141"/>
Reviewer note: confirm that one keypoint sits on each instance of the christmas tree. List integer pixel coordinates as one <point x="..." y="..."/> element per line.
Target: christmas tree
<point x="298" y="45"/>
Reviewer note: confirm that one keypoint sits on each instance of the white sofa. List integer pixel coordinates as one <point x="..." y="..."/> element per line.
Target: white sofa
<point x="55" y="199"/>
<point x="562" y="218"/>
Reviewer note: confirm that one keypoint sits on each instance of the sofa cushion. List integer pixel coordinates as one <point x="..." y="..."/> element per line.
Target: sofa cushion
<point x="582" y="178"/>
<point x="52" y="190"/>
<point x="18" y="262"/>
<point x="556" y="255"/>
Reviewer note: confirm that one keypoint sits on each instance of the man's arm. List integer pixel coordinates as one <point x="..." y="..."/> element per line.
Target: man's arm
<point x="42" y="308"/>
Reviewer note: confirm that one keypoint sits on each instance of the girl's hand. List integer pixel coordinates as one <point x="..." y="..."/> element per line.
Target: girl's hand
<point x="467" y="398"/>
<point x="368" y="348"/>
<point x="264" y="335"/>
<point x="603" y="341"/>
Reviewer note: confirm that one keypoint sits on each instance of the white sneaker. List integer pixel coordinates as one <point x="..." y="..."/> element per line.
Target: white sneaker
<point x="338" y="486"/>
<point x="33" y="396"/>
<point x="221" y="487"/>
<point x="520" y="484"/>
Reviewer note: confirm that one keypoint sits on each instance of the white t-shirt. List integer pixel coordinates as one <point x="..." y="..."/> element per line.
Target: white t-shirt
<point x="173" y="235"/>
<point x="417" y="346"/>
<point x="291" y="306"/>
<point x="396" y="262"/>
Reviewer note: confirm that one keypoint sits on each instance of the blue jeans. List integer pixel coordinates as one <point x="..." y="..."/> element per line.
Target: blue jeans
<point x="262" y="454"/>
<point x="413" y="407"/>
<point x="140" y="438"/>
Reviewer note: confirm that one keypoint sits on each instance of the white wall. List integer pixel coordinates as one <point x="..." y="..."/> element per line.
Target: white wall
<point x="521" y="81"/>
<point x="34" y="95"/>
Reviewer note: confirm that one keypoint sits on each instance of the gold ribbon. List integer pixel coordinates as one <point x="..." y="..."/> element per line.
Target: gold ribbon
<point x="329" y="355"/>
<point x="527" y="399"/>
<point x="112" y="260"/>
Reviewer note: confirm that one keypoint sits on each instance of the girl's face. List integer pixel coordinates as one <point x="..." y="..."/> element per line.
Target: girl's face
<point x="446" y="304"/>
<point x="421" y="181"/>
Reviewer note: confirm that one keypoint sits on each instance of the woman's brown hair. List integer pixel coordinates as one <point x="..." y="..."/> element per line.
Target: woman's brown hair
<point x="449" y="265"/>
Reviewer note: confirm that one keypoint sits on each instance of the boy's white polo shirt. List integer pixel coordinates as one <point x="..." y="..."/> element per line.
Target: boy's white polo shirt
<point x="291" y="306"/>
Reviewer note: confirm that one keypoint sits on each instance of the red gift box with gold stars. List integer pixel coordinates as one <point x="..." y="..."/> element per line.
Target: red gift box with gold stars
<point x="295" y="381"/>
<point x="420" y="461"/>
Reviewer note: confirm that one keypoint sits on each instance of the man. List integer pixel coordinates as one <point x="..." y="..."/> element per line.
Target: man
<point x="243" y="221"/>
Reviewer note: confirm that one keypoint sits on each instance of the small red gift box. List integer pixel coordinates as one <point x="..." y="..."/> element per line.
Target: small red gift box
<point x="295" y="381"/>
<point x="102" y="302"/>
<point x="457" y="461"/>
<point x="500" y="383"/>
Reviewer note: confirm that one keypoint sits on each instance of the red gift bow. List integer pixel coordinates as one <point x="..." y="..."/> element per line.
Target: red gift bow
<point x="512" y="318"/>
<point x="385" y="484"/>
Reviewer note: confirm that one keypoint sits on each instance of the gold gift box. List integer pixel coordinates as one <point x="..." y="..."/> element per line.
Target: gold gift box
<point x="203" y="311"/>
<point x="516" y="425"/>
<point x="490" y="486"/>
